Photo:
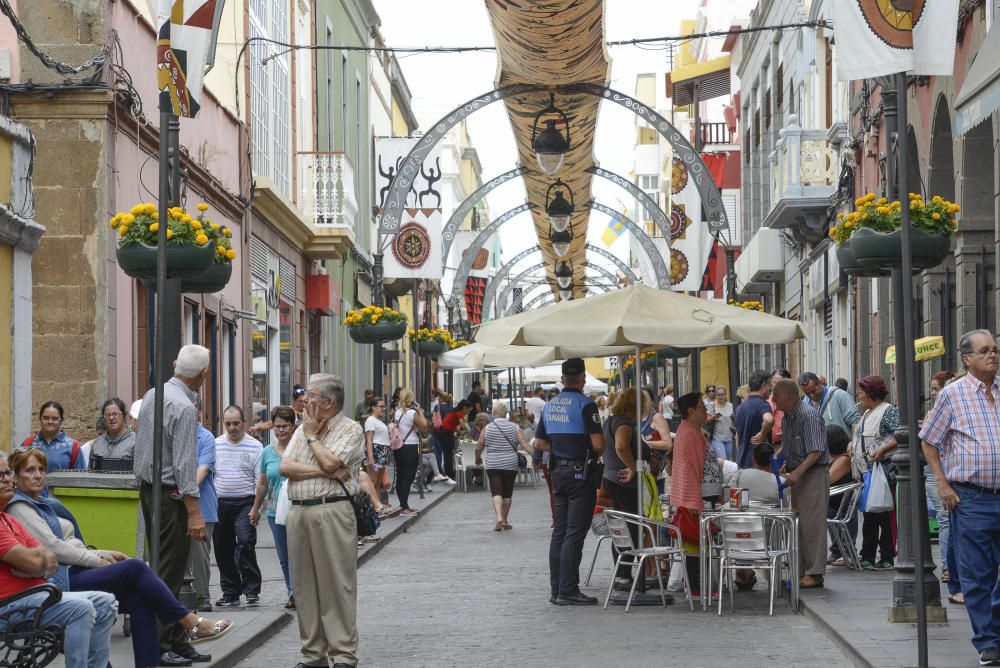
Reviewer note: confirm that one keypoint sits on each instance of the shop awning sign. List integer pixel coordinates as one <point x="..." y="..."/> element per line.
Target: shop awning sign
<point x="926" y="348"/>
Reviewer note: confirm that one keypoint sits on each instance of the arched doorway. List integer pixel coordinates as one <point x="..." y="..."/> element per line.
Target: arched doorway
<point x="975" y="249"/>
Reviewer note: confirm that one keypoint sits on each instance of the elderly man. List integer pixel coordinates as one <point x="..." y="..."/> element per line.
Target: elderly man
<point x="961" y="441"/>
<point x="808" y="467"/>
<point x="834" y="404"/>
<point x="180" y="514"/>
<point x="320" y="462"/>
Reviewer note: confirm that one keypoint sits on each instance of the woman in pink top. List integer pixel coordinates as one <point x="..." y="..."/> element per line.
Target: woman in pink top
<point x="690" y="450"/>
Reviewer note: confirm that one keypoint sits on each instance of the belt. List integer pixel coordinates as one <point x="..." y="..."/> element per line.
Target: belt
<point x="977" y="488"/>
<point x="316" y="502"/>
<point x="570" y="462"/>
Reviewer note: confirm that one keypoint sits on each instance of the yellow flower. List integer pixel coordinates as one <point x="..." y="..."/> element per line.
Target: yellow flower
<point x="936" y="216"/>
<point x="170" y="234"/>
<point x="215" y="227"/>
<point x="155" y="227"/>
<point x="231" y="254"/>
<point x="953" y="223"/>
<point x="150" y="209"/>
<point x="884" y="210"/>
<point x="882" y="201"/>
<point x="203" y="207"/>
<point x="123" y="230"/>
<point x="196" y="224"/>
<point x="849" y="224"/>
<point x="137" y="209"/>
<point x="221" y="250"/>
<point x="128" y="218"/>
<point x="859" y="201"/>
<point x="201" y="240"/>
<point x="228" y="232"/>
<point x="187" y="218"/>
<point x="114" y="222"/>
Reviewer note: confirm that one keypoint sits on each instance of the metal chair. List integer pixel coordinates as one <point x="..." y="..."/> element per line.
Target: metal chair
<point x="839" y="524"/>
<point x="24" y="642"/>
<point x="630" y="554"/>
<point x="598" y="527"/>
<point x="747" y="540"/>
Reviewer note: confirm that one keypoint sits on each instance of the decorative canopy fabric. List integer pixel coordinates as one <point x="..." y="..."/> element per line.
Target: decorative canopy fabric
<point x="553" y="42"/>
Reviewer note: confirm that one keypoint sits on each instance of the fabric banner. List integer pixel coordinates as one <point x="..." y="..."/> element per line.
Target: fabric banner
<point x="415" y="251"/>
<point x="424" y="190"/>
<point x="186" y="31"/>
<point x="614" y="230"/>
<point x="879" y="37"/>
<point x="690" y="239"/>
<point x="475" y="288"/>
<point x="464" y="239"/>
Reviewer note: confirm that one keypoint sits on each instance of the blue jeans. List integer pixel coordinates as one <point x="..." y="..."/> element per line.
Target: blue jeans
<point x="723" y="449"/>
<point x="976" y="529"/>
<point x="86" y="618"/>
<point x="140" y="593"/>
<point x="281" y="545"/>
<point x="944" y="532"/>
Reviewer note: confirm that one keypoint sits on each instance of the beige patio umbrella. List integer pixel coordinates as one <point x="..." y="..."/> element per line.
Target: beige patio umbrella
<point x="480" y="355"/>
<point x="641" y="317"/>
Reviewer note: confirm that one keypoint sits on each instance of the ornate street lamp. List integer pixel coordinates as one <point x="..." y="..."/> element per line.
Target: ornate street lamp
<point x="561" y="242"/>
<point x="564" y="274"/>
<point x="550" y="145"/>
<point x="560" y="211"/>
<point x="566" y="294"/>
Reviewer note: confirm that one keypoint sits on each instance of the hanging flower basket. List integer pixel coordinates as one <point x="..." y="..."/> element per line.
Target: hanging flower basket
<point x="138" y="260"/>
<point x="851" y="266"/>
<point x="431" y="348"/>
<point x="214" y="280"/>
<point x="375" y="324"/>
<point x="433" y="342"/>
<point x="885" y="249"/>
<point x="670" y="353"/>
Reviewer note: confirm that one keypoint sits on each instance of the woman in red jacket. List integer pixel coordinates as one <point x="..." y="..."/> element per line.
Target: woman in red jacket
<point x="445" y="434"/>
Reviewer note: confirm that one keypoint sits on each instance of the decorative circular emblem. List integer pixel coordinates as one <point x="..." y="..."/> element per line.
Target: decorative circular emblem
<point x="893" y="20"/>
<point x="678" y="175"/>
<point x="412" y="246"/>
<point x="678" y="221"/>
<point x="482" y="257"/>
<point x="678" y="266"/>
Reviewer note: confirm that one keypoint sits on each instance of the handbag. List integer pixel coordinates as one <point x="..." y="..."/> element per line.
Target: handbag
<point x="282" y="503"/>
<point x="687" y="523"/>
<point x="522" y="459"/>
<point x="364" y="513"/>
<point x="876" y="497"/>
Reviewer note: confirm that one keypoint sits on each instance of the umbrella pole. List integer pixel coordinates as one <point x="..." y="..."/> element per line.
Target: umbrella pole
<point x="638" y="432"/>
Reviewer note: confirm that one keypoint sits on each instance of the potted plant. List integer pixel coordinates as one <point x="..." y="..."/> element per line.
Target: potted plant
<point x="433" y="342"/>
<point x="190" y="252"/>
<point x="375" y="324"/>
<point x="749" y="305"/>
<point x="872" y="233"/>
<point x="459" y="343"/>
<point x="218" y="275"/>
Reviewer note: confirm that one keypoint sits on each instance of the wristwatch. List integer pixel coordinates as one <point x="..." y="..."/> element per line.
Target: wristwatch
<point x="311" y="439"/>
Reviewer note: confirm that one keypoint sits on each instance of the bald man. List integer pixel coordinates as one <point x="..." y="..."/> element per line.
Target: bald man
<point x="808" y="466"/>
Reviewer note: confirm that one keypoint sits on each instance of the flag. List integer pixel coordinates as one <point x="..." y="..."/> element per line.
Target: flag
<point x="878" y="37"/>
<point x="186" y="31"/>
<point x="613" y="230"/>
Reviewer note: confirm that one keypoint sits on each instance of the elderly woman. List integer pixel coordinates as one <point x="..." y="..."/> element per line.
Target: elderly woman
<point x="139" y="591"/>
<point x="873" y="441"/>
<point x="118" y="441"/>
<point x="480" y="421"/>
<point x="502" y="440"/>
<point x="689" y="454"/>
<point x="63" y="452"/>
<point x="269" y="487"/>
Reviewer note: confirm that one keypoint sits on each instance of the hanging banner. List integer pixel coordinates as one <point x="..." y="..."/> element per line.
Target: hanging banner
<point x="459" y="247"/>
<point x="475" y="289"/>
<point x="878" y="37"/>
<point x="186" y="34"/>
<point x="926" y="348"/>
<point x="415" y="250"/>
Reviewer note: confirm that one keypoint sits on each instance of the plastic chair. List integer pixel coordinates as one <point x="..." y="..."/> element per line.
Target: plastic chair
<point x="747" y="540"/>
<point x="839" y="524"/>
<point x="630" y="554"/>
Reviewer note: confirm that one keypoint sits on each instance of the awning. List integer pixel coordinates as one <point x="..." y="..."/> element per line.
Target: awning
<point x="980" y="94"/>
<point x="712" y="78"/>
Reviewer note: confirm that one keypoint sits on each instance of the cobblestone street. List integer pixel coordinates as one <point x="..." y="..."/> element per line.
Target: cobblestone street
<point x="451" y="592"/>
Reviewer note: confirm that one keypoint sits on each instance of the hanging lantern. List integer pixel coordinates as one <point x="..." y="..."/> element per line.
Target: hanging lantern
<point x="564" y="274"/>
<point x="566" y="294"/>
<point x="560" y="211"/>
<point x="549" y="144"/>
<point x="561" y="242"/>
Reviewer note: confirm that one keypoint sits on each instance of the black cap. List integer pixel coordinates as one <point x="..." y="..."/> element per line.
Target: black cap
<point x="574" y="366"/>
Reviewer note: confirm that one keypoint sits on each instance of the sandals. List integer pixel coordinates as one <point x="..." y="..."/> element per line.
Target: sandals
<point x="219" y="629"/>
<point x="506" y="526"/>
<point x="955" y="600"/>
<point x="498" y="526"/>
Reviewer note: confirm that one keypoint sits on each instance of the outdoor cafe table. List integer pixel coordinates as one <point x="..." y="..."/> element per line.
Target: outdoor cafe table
<point x="789" y="520"/>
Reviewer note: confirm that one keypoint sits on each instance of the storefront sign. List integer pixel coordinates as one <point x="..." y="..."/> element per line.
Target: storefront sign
<point x="323" y="294"/>
<point x="926" y="348"/>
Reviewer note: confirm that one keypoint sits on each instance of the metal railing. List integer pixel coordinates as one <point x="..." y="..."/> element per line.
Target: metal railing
<point x="715" y="133"/>
<point x="326" y="193"/>
<point x="803" y="164"/>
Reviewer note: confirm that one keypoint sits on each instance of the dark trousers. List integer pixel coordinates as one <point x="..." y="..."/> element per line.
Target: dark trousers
<point x="574" y="495"/>
<point x="235" y="540"/>
<point x="625" y="499"/>
<point x="174" y="548"/>
<point x="976" y="532"/>
<point x="447" y="441"/>
<point x="406" y="471"/>
<point x="140" y="593"/>
<point x="876" y="531"/>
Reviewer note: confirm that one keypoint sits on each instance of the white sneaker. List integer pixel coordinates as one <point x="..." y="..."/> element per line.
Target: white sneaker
<point x="448" y="481"/>
<point x="441" y="478"/>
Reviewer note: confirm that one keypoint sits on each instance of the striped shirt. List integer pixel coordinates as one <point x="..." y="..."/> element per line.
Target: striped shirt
<point x="237" y="466"/>
<point x="965" y="428"/>
<point x="180" y="439"/>
<point x="804" y="433"/>
<point x="345" y="439"/>
<point x="690" y="449"/>
<point x="501" y="441"/>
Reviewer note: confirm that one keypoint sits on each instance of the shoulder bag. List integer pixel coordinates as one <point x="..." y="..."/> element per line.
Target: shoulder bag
<point x="522" y="459"/>
<point x="364" y="514"/>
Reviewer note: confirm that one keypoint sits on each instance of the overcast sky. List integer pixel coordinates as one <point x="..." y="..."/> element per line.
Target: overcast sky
<point x="440" y="82"/>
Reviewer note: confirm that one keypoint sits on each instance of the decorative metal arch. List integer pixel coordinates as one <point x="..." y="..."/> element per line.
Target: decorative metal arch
<point x="524" y="277"/>
<point x="660" y="268"/>
<point x="591" y="283"/>
<point x="395" y="199"/>
<point x="494" y="283"/>
<point x="539" y="300"/>
<point x="451" y="227"/>
<point x="465" y="266"/>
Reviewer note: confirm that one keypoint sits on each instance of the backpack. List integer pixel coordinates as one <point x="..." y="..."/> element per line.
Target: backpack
<point x="396" y="439"/>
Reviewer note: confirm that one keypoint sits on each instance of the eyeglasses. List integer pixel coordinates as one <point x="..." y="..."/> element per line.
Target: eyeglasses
<point x="112" y="416"/>
<point x="6" y="475"/>
<point x="985" y="352"/>
<point x="49" y="418"/>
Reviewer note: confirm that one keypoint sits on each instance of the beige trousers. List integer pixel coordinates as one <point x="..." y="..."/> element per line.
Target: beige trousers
<point x="323" y="559"/>
<point x="810" y="497"/>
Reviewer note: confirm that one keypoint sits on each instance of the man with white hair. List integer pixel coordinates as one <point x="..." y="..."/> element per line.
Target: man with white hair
<point x="320" y="462"/>
<point x="180" y="515"/>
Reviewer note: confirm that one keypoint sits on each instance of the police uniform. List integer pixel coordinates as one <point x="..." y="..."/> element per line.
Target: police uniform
<point x="567" y="422"/>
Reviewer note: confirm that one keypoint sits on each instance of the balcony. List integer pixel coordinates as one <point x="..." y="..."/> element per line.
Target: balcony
<point x="761" y="262"/>
<point x="715" y="134"/>
<point x="328" y="199"/>
<point x="803" y="168"/>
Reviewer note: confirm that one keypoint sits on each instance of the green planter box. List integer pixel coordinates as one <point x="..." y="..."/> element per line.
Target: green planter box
<point x="670" y="353"/>
<point x="183" y="261"/>
<point x="381" y="332"/>
<point x="213" y="280"/>
<point x="430" y="348"/>
<point x="884" y="249"/>
<point x="849" y="263"/>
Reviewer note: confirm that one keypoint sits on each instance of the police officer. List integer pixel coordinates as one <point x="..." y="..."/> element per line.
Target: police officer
<point x="570" y="430"/>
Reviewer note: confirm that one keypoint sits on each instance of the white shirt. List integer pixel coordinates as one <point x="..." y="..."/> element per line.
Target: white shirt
<point x="667" y="406"/>
<point x="535" y="406"/>
<point x="380" y="429"/>
<point x="405" y="422"/>
<point x="237" y="466"/>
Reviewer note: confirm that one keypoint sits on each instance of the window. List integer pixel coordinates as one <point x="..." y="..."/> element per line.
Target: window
<point x="270" y="92"/>
<point x="357" y="123"/>
<point x="343" y="100"/>
<point x="329" y="89"/>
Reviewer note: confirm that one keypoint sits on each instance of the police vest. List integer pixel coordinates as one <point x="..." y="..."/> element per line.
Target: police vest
<point x="564" y="426"/>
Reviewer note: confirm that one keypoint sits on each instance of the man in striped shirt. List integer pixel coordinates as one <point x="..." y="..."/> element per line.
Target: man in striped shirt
<point x="237" y="462"/>
<point x="961" y="441"/>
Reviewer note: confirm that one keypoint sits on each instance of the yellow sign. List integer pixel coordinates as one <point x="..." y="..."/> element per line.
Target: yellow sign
<point x="924" y="349"/>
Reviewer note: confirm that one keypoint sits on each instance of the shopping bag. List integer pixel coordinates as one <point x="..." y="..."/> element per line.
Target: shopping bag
<point x="283" y="503"/>
<point x="877" y="494"/>
<point x="651" y="498"/>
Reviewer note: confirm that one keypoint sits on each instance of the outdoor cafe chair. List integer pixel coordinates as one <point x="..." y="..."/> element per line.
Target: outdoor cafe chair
<point x="749" y="540"/>
<point x="839" y="524"/>
<point x="598" y="527"/>
<point x="636" y="556"/>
